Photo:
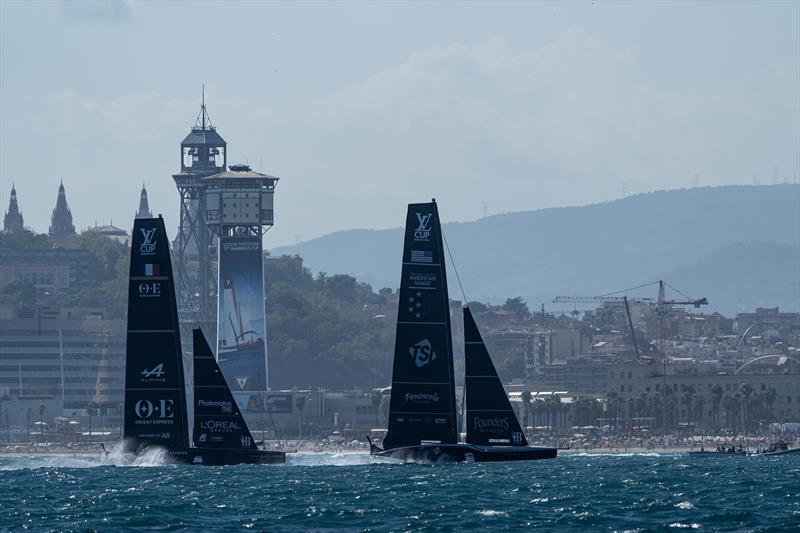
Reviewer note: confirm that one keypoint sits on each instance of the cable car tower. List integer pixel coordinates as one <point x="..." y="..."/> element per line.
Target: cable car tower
<point x="203" y="153"/>
<point x="239" y="210"/>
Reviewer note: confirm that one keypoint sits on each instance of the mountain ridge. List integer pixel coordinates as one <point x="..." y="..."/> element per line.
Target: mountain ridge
<point x="579" y="250"/>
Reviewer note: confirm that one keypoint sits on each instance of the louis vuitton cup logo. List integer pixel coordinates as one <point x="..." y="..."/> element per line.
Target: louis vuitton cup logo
<point x="423" y="231"/>
<point x="422" y="353"/>
<point x="148" y="245"/>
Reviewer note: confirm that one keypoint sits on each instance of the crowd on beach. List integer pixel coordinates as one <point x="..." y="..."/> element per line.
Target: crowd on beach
<point x="575" y="442"/>
<point x="666" y="443"/>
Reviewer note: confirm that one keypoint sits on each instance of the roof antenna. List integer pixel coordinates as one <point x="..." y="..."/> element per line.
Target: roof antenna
<point x="203" y="107"/>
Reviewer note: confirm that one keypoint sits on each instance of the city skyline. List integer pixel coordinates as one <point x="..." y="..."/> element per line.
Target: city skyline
<point x="506" y="108"/>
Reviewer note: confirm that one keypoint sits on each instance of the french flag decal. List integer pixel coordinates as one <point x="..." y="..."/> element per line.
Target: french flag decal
<point x="149" y="269"/>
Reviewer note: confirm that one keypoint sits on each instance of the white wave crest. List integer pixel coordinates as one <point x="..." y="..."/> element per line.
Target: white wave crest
<point x="34" y="461"/>
<point x="152" y="456"/>
<point x="335" y="459"/>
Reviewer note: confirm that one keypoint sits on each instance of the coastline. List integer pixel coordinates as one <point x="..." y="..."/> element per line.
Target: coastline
<point x="572" y="451"/>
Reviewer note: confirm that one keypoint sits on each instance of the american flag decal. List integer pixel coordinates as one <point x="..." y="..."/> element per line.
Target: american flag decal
<point x="421" y="256"/>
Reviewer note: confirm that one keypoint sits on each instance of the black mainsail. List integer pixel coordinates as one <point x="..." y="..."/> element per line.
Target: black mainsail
<point x="490" y="418"/>
<point x="155" y="401"/>
<point x="423" y="400"/>
<point x="218" y="423"/>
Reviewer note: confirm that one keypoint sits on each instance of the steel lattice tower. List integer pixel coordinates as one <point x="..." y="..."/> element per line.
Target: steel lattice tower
<point x="203" y="153"/>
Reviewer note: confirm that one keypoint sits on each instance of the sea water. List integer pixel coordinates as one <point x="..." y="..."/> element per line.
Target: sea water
<point x="354" y="492"/>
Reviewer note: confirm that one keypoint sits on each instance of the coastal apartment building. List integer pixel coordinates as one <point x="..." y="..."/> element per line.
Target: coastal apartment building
<point x="50" y="270"/>
<point x="43" y="346"/>
<point x="631" y="381"/>
<point x="765" y="319"/>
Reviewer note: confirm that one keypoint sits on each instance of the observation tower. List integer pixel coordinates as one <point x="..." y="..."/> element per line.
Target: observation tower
<point x="239" y="211"/>
<point x="203" y="153"/>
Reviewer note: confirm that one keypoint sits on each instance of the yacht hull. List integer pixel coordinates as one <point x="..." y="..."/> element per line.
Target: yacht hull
<point x="716" y="453"/>
<point x="783" y="452"/>
<point x="437" y="453"/>
<point x="212" y="457"/>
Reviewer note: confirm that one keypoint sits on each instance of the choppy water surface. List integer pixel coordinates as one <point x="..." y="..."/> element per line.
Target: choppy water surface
<point x="353" y="492"/>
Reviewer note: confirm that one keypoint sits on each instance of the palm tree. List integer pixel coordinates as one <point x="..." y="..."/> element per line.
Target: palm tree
<point x="640" y="405"/>
<point x="41" y="421"/>
<point x="769" y="399"/>
<point x="385" y="404"/>
<point x="699" y="404"/>
<point x="90" y="412"/>
<point x="732" y="406"/>
<point x="526" y="406"/>
<point x="716" y="402"/>
<point x="553" y="408"/>
<point x="300" y="402"/>
<point x="613" y="404"/>
<point x="746" y="394"/>
<point x="688" y="399"/>
<point x="376" y="396"/>
<point x="654" y="402"/>
<point x="671" y="408"/>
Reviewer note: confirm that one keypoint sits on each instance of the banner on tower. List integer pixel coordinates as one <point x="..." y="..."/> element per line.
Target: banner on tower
<point x="241" y="325"/>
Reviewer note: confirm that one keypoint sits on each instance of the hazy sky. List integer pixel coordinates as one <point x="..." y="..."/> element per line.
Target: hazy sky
<point x="361" y="108"/>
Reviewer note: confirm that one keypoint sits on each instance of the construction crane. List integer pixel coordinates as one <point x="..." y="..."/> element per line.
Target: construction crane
<point x="662" y="306"/>
<point x="661" y="303"/>
<point x="696" y="302"/>
<point x="606" y="299"/>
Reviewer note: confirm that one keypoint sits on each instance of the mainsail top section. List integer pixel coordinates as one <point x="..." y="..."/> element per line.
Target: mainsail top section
<point x="155" y="399"/>
<point x="422" y="406"/>
<point x="490" y="418"/>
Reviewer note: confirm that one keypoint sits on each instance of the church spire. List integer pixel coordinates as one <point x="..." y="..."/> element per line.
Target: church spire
<point x="13" y="222"/>
<point x="144" y="207"/>
<point x="61" y="221"/>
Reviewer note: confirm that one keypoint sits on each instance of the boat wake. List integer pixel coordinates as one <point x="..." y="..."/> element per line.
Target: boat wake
<point x="335" y="459"/>
<point x="614" y="454"/>
<point x="152" y="456"/>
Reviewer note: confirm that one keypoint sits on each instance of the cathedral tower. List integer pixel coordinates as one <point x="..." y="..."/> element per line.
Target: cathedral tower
<point x="61" y="221"/>
<point x="13" y="222"/>
<point x="144" y="207"/>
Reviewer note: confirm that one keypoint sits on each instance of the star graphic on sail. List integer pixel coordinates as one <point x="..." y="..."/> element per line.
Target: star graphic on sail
<point x="415" y="305"/>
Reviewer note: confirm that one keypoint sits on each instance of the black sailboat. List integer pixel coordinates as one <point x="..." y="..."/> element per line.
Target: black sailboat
<point x="155" y="391"/>
<point x="422" y="412"/>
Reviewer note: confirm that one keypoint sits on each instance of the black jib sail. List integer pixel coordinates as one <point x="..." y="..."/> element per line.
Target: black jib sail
<point x="217" y="420"/>
<point x="490" y="419"/>
<point x="155" y="401"/>
<point x="423" y="403"/>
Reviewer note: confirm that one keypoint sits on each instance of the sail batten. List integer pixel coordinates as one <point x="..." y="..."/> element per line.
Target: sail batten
<point x="422" y="406"/>
<point x="490" y="418"/>
<point x="155" y="400"/>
